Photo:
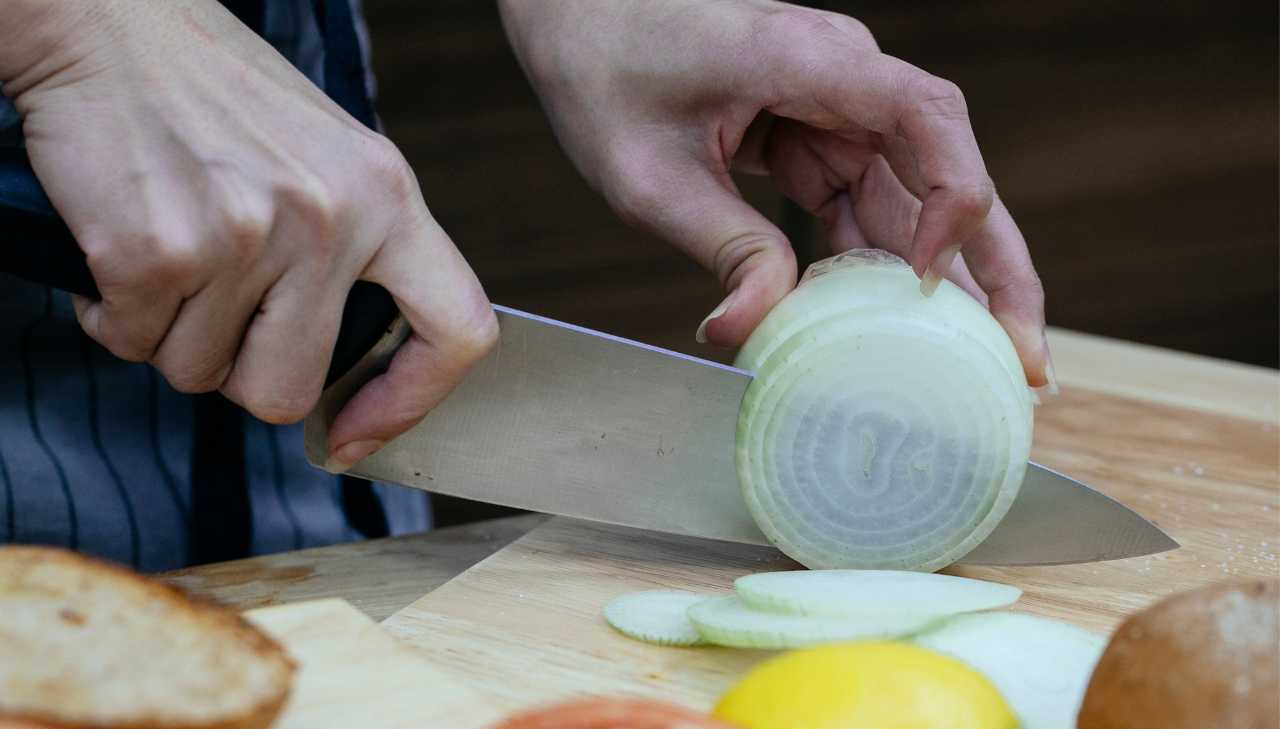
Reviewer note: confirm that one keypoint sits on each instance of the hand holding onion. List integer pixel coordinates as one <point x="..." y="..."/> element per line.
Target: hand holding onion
<point x="659" y="101"/>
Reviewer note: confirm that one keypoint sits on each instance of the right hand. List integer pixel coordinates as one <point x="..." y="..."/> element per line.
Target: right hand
<point x="226" y="206"/>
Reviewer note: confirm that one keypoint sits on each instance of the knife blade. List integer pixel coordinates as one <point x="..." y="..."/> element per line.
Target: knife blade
<point x="565" y="420"/>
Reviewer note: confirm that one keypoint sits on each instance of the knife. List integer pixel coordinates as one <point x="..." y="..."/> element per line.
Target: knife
<point x="565" y="420"/>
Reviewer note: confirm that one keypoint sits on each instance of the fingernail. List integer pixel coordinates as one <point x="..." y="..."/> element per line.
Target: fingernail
<point x="1051" y="380"/>
<point x="1052" y="386"/>
<point x="1035" y="396"/>
<point x="346" y="456"/>
<point x="701" y="335"/>
<point x="938" y="270"/>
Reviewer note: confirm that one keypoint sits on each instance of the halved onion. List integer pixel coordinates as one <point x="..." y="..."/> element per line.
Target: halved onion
<point x="884" y="429"/>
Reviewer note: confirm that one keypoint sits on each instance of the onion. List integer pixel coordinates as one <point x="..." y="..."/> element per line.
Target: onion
<point x="884" y="429"/>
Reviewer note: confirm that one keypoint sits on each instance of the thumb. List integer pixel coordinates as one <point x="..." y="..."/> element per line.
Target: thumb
<point x="702" y="214"/>
<point x="764" y="276"/>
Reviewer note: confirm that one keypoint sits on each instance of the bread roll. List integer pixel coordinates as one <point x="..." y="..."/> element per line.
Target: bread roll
<point x="87" y="644"/>
<point x="1206" y="659"/>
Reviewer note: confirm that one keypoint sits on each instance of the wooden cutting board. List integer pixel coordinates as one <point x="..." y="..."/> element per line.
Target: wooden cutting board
<point x="353" y="674"/>
<point x="525" y="624"/>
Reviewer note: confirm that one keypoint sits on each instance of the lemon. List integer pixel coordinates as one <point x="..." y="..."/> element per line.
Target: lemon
<point x="865" y="686"/>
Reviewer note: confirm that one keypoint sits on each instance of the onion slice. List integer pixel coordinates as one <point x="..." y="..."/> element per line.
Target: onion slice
<point x="655" y="616"/>
<point x="853" y="593"/>
<point x="1041" y="666"/>
<point x="726" y="621"/>
<point x="884" y="429"/>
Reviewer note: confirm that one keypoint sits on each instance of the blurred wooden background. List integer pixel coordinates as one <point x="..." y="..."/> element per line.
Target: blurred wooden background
<point x="1135" y="143"/>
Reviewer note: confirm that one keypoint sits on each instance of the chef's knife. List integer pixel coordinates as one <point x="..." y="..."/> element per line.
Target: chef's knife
<point x="565" y="420"/>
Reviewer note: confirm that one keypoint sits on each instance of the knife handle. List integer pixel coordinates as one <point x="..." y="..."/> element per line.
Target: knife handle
<point x="35" y="244"/>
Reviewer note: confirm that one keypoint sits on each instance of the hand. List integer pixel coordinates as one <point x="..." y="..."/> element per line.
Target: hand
<point x="226" y="206"/>
<point x="657" y="101"/>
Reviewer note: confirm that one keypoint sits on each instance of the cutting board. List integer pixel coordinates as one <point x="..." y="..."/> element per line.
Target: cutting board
<point x="525" y="624"/>
<point x="352" y="674"/>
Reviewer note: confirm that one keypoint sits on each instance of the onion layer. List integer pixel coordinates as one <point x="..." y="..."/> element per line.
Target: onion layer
<point x="884" y="429"/>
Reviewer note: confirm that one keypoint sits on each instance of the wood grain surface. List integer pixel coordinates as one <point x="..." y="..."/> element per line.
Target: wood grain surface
<point x="352" y="674"/>
<point x="378" y="576"/>
<point x="525" y="624"/>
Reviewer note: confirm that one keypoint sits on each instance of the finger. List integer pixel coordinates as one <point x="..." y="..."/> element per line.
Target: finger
<point x="749" y="158"/>
<point x="850" y="186"/>
<point x="889" y="215"/>
<point x="961" y="276"/>
<point x="701" y="213"/>
<point x="995" y="266"/>
<point x="841" y="221"/>
<point x="199" y="349"/>
<point x="279" y="366"/>
<point x="129" y="324"/>
<point x="1001" y="265"/>
<point x="820" y="170"/>
<point x="846" y="90"/>
<point x="453" y="328"/>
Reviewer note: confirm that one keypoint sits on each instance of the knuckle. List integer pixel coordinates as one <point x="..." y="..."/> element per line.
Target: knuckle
<point x="192" y="380"/>
<point x="739" y="254"/>
<point x="974" y="199"/>
<point x="174" y="260"/>
<point x="474" y="339"/>
<point x="179" y="264"/>
<point x="103" y="259"/>
<point x="246" y="234"/>
<point x="314" y="204"/>
<point x="813" y="34"/>
<point x="854" y="29"/>
<point x="279" y="409"/>
<point x="932" y="96"/>
<point x="391" y="170"/>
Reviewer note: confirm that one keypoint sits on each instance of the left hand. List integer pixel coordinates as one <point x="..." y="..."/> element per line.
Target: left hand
<point x="658" y="101"/>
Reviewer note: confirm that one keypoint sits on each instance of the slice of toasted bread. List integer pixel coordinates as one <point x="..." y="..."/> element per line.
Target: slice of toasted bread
<point x="87" y="644"/>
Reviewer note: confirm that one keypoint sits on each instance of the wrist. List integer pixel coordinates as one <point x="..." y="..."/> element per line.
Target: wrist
<point x="41" y="38"/>
<point x="548" y="36"/>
